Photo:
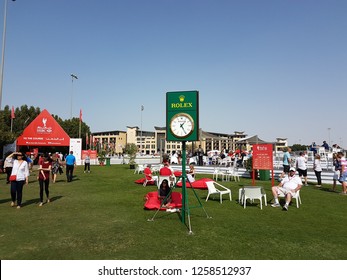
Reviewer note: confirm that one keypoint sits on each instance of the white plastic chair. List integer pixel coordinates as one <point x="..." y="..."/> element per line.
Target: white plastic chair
<point x="139" y="169"/>
<point x="216" y="173"/>
<point x="253" y="193"/>
<point x="153" y="180"/>
<point x="296" y="197"/>
<point x="213" y="190"/>
<point x="170" y="179"/>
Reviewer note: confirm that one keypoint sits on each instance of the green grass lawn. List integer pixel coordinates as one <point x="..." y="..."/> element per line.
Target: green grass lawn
<point x="100" y="216"/>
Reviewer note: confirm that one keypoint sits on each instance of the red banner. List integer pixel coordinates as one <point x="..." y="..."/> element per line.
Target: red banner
<point x="262" y="157"/>
<point x="92" y="154"/>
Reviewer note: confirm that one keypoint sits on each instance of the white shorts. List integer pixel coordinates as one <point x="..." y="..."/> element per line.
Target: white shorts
<point x="284" y="191"/>
<point x="336" y="175"/>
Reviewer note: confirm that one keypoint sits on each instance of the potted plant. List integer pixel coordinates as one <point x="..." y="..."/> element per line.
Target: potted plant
<point x="131" y="150"/>
<point x="102" y="157"/>
<point x="249" y="167"/>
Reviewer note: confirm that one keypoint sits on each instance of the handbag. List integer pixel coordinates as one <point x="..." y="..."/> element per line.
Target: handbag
<point x="13" y="178"/>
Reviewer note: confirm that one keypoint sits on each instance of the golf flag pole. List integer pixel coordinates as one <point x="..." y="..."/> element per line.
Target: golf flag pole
<point x="79" y="131"/>
<point x="12" y="117"/>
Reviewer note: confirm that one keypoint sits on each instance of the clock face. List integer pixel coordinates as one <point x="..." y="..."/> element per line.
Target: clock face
<point x="182" y="125"/>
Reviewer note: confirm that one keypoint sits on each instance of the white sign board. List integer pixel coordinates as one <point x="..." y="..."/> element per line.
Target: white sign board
<point x="76" y="147"/>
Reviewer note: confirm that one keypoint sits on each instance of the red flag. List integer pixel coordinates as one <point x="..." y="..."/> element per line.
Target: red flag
<point x="80" y="115"/>
<point x="12" y="113"/>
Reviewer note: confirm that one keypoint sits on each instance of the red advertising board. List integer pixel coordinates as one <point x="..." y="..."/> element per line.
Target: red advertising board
<point x="92" y="154"/>
<point x="262" y="157"/>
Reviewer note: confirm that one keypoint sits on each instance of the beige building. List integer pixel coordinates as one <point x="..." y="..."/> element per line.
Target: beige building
<point x="150" y="143"/>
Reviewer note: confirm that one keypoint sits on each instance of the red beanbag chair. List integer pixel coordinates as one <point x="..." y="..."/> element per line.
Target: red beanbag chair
<point x="142" y="180"/>
<point x="178" y="173"/>
<point x="198" y="184"/>
<point x="153" y="202"/>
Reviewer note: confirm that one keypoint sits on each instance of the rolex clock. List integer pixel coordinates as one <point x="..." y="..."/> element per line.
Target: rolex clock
<point x="182" y="125"/>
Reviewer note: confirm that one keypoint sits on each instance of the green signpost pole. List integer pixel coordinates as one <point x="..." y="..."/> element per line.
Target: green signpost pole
<point x="184" y="187"/>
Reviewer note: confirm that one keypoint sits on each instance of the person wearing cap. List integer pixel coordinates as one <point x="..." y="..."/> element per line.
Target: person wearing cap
<point x="288" y="186"/>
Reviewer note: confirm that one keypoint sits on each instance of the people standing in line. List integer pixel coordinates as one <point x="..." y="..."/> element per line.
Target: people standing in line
<point x="87" y="163"/>
<point x="343" y="174"/>
<point x="337" y="170"/>
<point x="21" y="171"/>
<point x="286" y="162"/>
<point x="317" y="167"/>
<point x="200" y="154"/>
<point x="44" y="174"/>
<point x="8" y="165"/>
<point x="301" y="167"/>
<point x="70" y="164"/>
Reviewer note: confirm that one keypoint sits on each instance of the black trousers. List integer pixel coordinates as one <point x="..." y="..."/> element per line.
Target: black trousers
<point x="69" y="172"/>
<point x="319" y="177"/>
<point x="17" y="191"/>
<point x="87" y="166"/>
<point x="44" y="183"/>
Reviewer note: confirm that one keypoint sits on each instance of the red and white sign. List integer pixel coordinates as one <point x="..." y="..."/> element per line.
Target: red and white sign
<point x="262" y="157"/>
<point x="44" y="130"/>
<point x="92" y="154"/>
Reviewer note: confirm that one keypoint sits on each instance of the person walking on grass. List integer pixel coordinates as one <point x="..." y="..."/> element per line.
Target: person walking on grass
<point x="70" y="164"/>
<point x="44" y="173"/>
<point x="301" y="167"/>
<point x="20" y="176"/>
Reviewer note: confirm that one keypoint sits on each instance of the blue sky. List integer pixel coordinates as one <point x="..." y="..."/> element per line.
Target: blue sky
<point x="273" y="68"/>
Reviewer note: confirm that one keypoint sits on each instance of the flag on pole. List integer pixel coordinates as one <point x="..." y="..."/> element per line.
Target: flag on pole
<point x="12" y="113"/>
<point x="80" y="115"/>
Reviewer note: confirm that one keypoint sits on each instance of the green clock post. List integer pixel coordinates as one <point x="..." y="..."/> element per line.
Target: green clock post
<point x="182" y="124"/>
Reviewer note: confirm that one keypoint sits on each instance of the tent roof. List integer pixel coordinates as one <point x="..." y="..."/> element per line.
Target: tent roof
<point x="44" y="130"/>
<point x="252" y="140"/>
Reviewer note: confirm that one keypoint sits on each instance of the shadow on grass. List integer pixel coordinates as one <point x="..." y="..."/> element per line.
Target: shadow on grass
<point x="37" y="200"/>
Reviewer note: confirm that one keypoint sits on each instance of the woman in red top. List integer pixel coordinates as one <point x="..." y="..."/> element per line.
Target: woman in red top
<point x="44" y="173"/>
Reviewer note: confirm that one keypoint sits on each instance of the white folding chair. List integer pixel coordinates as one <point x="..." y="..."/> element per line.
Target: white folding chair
<point x="213" y="190"/>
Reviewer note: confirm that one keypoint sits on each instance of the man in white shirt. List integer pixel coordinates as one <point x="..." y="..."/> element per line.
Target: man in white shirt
<point x="301" y="166"/>
<point x="288" y="186"/>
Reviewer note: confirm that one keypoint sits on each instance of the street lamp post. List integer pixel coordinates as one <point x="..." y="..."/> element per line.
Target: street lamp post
<point x="329" y="136"/>
<point x="3" y="50"/>
<point x="142" y="108"/>
<point x="73" y="76"/>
